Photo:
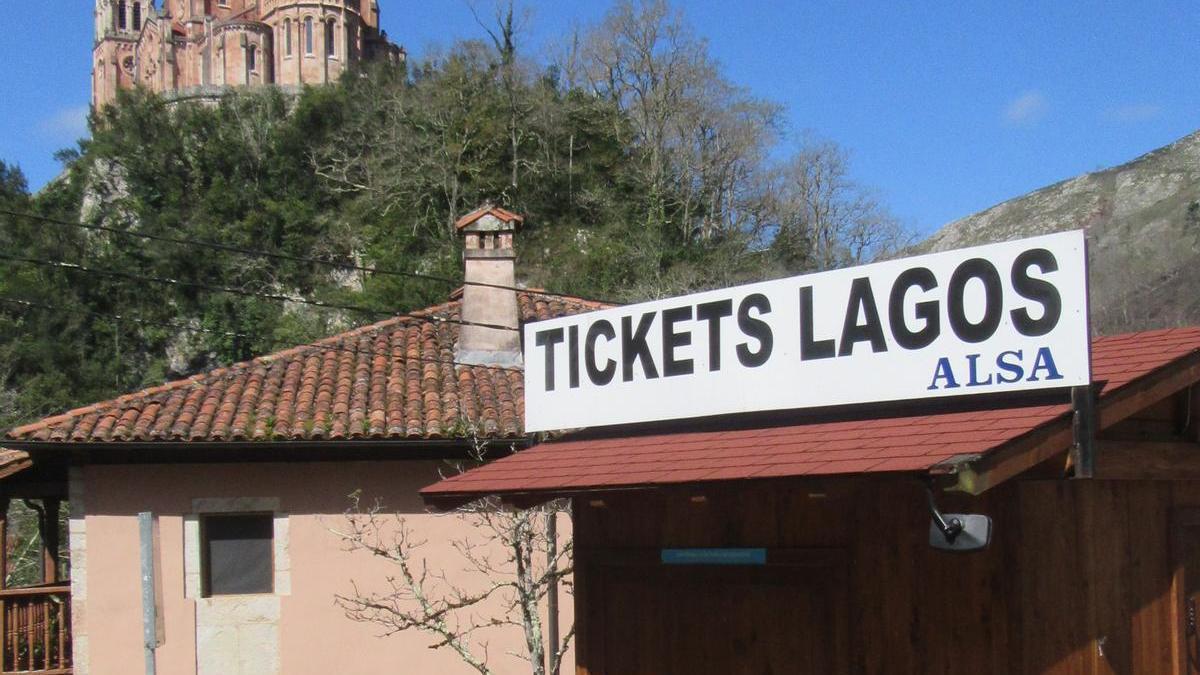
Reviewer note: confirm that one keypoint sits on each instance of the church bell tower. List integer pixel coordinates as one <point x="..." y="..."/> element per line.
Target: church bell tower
<point x="118" y="24"/>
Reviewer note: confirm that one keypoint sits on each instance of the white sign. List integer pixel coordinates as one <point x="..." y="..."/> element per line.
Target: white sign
<point x="999" y="318"/>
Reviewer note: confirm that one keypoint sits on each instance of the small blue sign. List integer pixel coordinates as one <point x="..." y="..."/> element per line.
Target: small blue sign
<point x="714" y="556"/>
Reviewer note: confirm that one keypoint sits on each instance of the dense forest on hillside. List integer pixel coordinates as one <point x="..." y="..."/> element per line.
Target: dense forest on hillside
<point x="640" y="168"/>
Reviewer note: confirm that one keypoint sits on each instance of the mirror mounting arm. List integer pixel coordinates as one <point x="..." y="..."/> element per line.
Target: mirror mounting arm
<point x="950" y="528"/>
<point x="959" y="532"/>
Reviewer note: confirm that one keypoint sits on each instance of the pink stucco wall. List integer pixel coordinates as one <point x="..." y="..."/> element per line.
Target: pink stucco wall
<point x="314" y="635"/>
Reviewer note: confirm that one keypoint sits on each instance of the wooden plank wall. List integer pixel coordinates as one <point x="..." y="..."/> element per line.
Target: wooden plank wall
<point x="1079" y="579"/>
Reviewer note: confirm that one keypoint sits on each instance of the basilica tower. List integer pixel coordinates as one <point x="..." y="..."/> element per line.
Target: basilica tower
<point x="204" y="47"/>
<point x="118" y="25"/>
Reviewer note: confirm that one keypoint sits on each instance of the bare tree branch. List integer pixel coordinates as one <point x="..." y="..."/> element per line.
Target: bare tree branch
<point x="502" y="583"/>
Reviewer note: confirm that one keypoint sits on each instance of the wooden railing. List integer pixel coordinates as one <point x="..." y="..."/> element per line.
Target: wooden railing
<point x="36" y="629"/>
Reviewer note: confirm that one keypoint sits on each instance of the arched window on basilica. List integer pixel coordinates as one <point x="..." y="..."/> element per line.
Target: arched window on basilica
<point x="308" y="35"/>
<point x="287" y="37"/>
<point x="137" y="16"/>
<point x="122" y="21"/>
<point x="252" y="58"/>
<point x="331" y="38"/>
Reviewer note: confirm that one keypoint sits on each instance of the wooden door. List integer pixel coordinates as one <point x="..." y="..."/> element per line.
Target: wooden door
<point x="727" y="620"/>
<point x="1187" y="552"/>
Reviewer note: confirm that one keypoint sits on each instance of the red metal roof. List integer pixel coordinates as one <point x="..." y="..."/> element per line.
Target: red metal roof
<point x="893" y="444"/>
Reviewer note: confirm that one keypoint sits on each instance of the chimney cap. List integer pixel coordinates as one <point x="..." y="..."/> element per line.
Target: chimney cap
<point x="503" y="215"/>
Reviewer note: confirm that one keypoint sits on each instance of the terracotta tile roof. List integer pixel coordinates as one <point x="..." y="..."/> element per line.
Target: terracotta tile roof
<point x="13" y="461"/>
<point x="502" y="214"/>
<point x="913" y="443"/>
<point x="389" y="380"/>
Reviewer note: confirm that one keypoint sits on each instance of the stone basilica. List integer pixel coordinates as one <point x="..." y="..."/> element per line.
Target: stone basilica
<point x="200" y="47"/>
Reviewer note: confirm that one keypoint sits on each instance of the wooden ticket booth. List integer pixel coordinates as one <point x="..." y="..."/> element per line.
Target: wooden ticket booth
<point x="924" y="465"/>
<point x="803" y="545"/>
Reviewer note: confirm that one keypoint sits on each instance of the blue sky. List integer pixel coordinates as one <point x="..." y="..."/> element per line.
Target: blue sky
<point x="947" y="108"/>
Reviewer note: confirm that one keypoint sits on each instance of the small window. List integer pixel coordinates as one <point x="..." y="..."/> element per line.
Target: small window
<point x="238" y="554"/>
<point x="330" y="38"/>
<point x="252" y="58"/>
<point x="121" y="20"/>
<point x="308" y="35"/>
<point x="137" y="16"/>
<point x="287" y="37"/>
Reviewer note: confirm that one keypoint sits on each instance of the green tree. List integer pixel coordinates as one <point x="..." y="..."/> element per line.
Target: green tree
<point x="641" y="169"/>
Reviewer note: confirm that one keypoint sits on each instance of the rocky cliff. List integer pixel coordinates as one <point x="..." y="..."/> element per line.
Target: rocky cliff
<point x="1143" y="224"/>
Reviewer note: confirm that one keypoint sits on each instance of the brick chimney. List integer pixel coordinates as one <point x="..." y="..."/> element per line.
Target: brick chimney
<point x="490" y="258"/>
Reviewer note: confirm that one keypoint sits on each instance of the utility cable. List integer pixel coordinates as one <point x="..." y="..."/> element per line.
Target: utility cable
<point x="320" y="344"/>
<point x="250" y="294"/>
<point x="28" y="304"/>
<point x="229" y="248"/>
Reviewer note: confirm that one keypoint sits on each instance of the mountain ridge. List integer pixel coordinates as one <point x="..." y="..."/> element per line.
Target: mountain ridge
<point x="1142" y="220"/>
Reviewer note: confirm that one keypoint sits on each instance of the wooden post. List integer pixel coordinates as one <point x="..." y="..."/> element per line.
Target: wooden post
<point x="3" y="581"/>
<point x="50" y="561"/>
<point x="1192" y="414"/>
<point x="3" y="546"/>
<point x="1083" y="427"/>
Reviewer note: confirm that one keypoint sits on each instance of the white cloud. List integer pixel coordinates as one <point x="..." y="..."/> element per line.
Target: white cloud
<point x="1025" y="109"/>
<point x="66" y="125"/>
<point x="1134" y="112"/>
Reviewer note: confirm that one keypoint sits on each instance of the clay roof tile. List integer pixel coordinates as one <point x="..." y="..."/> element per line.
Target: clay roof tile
<point x="408" y="388"/>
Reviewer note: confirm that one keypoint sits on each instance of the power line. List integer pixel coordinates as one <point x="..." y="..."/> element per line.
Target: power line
<point x="320" y="344"/>
<point x="229" y="248"/>
<point x="250" y="294"/>
<point x="162" y="324"/>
